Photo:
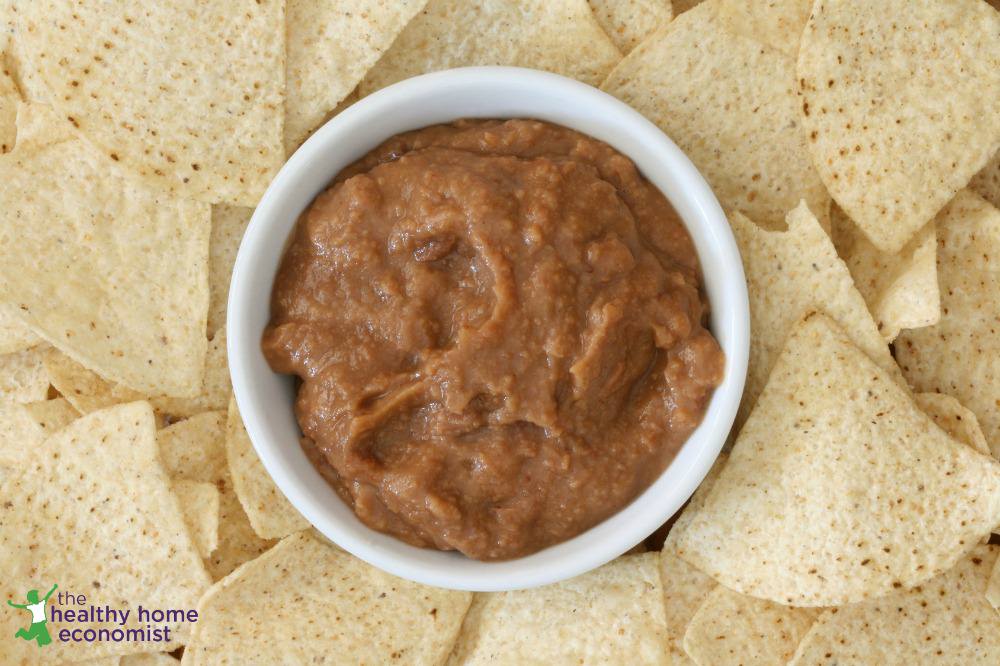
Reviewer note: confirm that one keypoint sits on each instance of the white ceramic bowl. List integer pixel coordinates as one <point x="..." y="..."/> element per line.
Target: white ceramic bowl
<point x="265" y="399"/>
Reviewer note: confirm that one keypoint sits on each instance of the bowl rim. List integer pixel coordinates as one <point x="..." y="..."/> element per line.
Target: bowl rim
<point x="688" y="193"/>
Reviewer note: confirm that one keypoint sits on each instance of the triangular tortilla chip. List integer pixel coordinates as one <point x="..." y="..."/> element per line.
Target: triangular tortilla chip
<point x="123" y="287"/>
<point x="559" y="36"/>
<point x="730" y="104"/>
<point x="229" y="223"/>
<point x="88" y="392"/>
<point x="92" y="511"/>
<point x="789" y="274"/>
<point x="947" y="620"/>
<point x="195" y="450"/>
<point x="960" y="355"/>
<point x="949" y="414"/>
<point x="732" y="628"/>
<point x="777" y="23"/>
<point x="331" y="46"/>
<point x="271" y="514"/>
<point x="901" y="289"/>
<point x="186" y="95"/>
<point x="628" y="22"/>
<point x="200" y="505"/>
<point x="899" y="99"/>
<point x="305" y="602"/>
<point x="839" y="488"/>
<point x="611" y="615"/>
<point x="23" y="377"/>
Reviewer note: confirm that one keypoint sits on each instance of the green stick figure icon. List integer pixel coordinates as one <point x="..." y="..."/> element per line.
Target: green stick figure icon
<point x="37" y="631"/>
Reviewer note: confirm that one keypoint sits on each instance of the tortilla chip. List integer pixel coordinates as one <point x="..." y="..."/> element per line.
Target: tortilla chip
<point x="217" y="386"/>
<point x="52" y="415"/>
<point x="124" y="285"/>
<point x="352" y="610"/>
<point x="896" y="127"/>
<point x="732" y="628"/>
<point x="351" y="98"/>
<point x="946" y="620"/>
<point x="195" y="450"/>
<point x="954" y="419"/>
<point x="8" y="113"/>
<point x="628" y="22"/>
<point x="611" y="615"/>
<point x="695" y="505"/>
<point x="229" y="223"/>
<point x="9" y="94"/>
<point x="93" y="511"/>
<point x="331" y="46"/>
<point x="192" y="449"/>
<point x="993" y="586"/>
<point x="23" y="377"/>
<point x="88" y="392"/>
<point x="986" y="183"/>
<point x="839" y="488"/>
<point x="559" y="36"/>
<point x="20" y="435"/>
<point x="788" y="275"/>
<point x="731" y="105"/>
<point x="208" y="98"/>
<point x="777" y="23"/>
<point x="200" y="505"/>
<point x="685" y="588"/>
<point x="30" y="87"/>
<point x="960" y="355"/>
<point x="18" y="430"/>
<point x="237" y="541"/>
<point x="83" y="389"/>
<point x="149" y="659"/>
<point x="271" y="514"/>
<point x="15" y="335"/>
<point x="901" y="289"/>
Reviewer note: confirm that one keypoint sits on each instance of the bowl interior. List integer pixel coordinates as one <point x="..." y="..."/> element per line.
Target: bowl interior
<point x="265" y="399"/>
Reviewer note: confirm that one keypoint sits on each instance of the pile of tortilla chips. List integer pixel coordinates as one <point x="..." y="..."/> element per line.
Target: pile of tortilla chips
<point x="856" y="149"/>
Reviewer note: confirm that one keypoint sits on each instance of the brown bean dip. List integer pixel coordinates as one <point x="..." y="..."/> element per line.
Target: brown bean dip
<point x="499" y="331"/>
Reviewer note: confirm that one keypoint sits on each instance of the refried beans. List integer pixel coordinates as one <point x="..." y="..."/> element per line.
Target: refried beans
<point x="499" y="332"/>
